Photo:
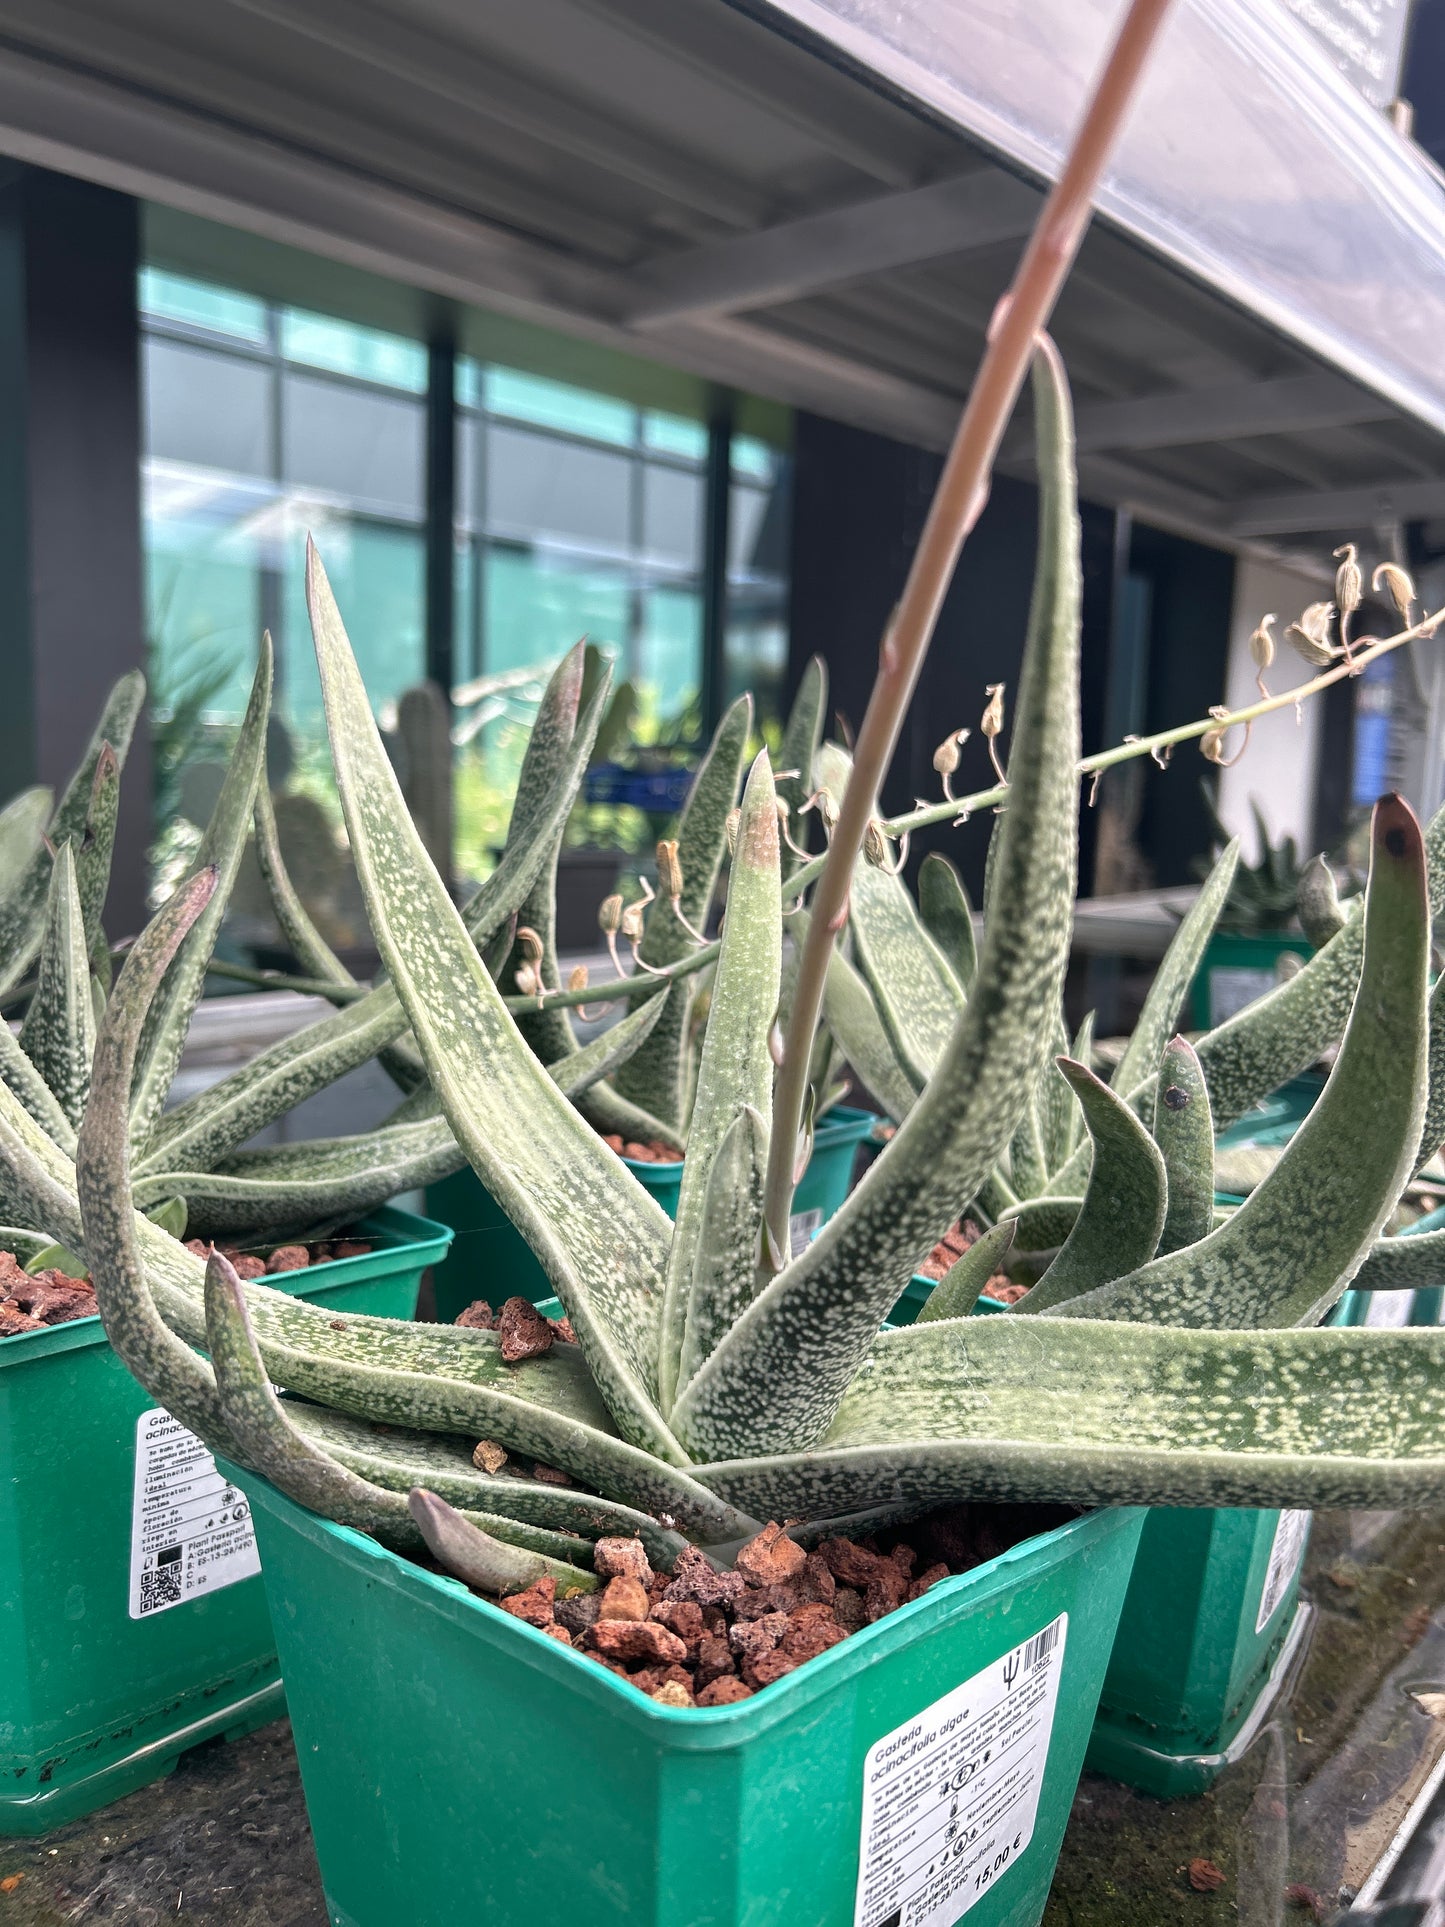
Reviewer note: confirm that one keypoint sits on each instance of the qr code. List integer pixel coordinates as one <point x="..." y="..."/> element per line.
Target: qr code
<point x="160" y="1588"/>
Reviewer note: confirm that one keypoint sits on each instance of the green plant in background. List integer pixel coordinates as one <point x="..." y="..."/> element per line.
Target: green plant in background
<point x="715" y="1383"/>
<point x="1263" y="895"/>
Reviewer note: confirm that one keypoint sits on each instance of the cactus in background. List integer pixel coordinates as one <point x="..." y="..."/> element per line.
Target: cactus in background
<point x="715" y="1383"/>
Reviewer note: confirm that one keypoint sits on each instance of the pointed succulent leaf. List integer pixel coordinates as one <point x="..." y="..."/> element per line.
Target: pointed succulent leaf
<point x="1012" y="1410"/>
<point x="1123" y="1211"/>
<point x="947" y="916"/>
<point x="398" y="1459"/>
<point x="599" y="1236"/>
<point x="802" y="734"/>
<point x="49" y="1257"/>
<point x="1058" y="1108"/>
<point x="1027" y="1159"/>
<point x="735" y="1070"/>
<point x="612" y="1115"/>
<point x="170" y="1215"/>
<point x="1287" y="1253"/>
<point x="1042" y="1224"/>
<point x="1082" y="1052"/>
<point x="1184" y="1132"/>
<point x="22" y="824"/>
<point x="58" y="1035"/>
<point x="1407" y="1262"/>
<point x="657" y="1077"/>
<point x="222" y="847"/>
<point x="95" y="847"/>
<point x="485" y="1563"/>
<point x="111" y="1234"/>
<point x="1317" y="900"/>
<point x="956" y="1293"/>
<point x="293" y="919"/>
<point x="1160" y="1016"/>
<point x="852" y="1019"/>
<point x="1432" y="1133"/>
<point x="21" y="1076"/>
<point x="725" y="1262"/>
<point x="776" y="1379"/>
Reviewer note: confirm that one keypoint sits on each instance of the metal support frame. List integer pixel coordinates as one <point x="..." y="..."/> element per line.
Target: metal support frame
<point x="717" y="518"/>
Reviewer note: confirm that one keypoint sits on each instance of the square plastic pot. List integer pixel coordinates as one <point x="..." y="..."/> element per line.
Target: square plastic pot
<point x="1237" y="969"/>
<point x="93" y="1702"/>
<point x="487" y="1773"/>
<point x="491" y="1259"/>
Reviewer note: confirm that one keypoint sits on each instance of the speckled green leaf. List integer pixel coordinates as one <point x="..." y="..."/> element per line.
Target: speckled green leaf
<point x="58" y="1035"/>
<point x="852" y="1016"/>
<point x="1184" y="1132"/>
<point x="735" y="1070"/>
<point x="600" y="1237"/>
<point x="1404" y="1263"/>
<point x="1088" y="1414"/>
<point x="293" y="919"/>
<point x="956" y="1293"/>
<point x="802" y="734"/>
<point x="1432" y="1133"/>
<point x="1317" y="899"/>
<point x="222" y="846"/>
<point x="1028" y="1164"/>
<point x="947" y="916"/>
<point x="1291" y="1248"/>
<point x="1123" y="1211"/>
<point x="775" y="1381"/>
<point x="1160" y="1016"/>
<point x="1057" y="1107"/>
<point x="22" y="824"/>
<point x="1044" y="1223"/>
<point x="725" y="1265"/>
<point x="95" y="846"/>
<point x="657" y="1079"/>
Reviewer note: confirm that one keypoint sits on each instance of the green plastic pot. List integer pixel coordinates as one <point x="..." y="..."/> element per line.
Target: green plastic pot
<point x="93" y="1702"/>
<point x="491" y="1259"/>
<point x="487" y="1773"/>
<point x="1236" y="969"/>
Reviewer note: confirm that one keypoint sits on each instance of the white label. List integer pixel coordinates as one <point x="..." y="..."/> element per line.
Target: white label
<point x="1232" y="987"/>
<point x="949" y="1800"/>
<point x="190" y="1532"/>
<point x="1285" y="1555"/>
<point x="801" y="1227"/>
<point x="1388" y="1309"/>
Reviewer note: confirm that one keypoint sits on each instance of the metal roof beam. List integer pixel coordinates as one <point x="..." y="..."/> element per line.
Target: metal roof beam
<point x="820" y="250"/>
<point x="1346" y="508"/>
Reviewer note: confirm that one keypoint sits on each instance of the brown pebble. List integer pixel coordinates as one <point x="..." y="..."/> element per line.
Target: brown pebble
<point x="850" y="1565"/>
<point x="559" y="1633"/>
<point x="549" y="1475"/>
<point x="695" y="1577"/>
<point x="927" y="1579"/>
<point x="680" y="1616"/>
<point x="246" y="1268"/>
<point x="579" y="1612"/>
<point x="806" y="1638"/>
<point x="337" y="1324"/>
<point x="198" y="1247"/>
<point x="673" y="1693"/>
<point x="763" y="1668"/>
<point x="623" y="1599"/>
<point x="1205" y="1877"/>
<point x="523" y="1330"/>
<point x="848" y="1609"/>
<point x="725" y="1691"/>
<point x="757" y="1635"/>
<point x="536" y="1605"/>
<point x="714" y="1660"/>
<point x="770" y="1557"/>
<point x="477" y="1317"/>
<point x="885" y="1592"/>
<point x="815" y="1581"/>
<point x="613" y="1140"/>
<point x="639" y="1153"/>
<point x="321" y="1254"/>
<point x="488" y="1456"/>
<point x="562" y="1331"/>
<point x="631" y="1639"/>
<point x="14" y="1321"/>
<point x="352" y="1248"/>
<point x="622" y="1559"/>
<point x="288" y="1258"/>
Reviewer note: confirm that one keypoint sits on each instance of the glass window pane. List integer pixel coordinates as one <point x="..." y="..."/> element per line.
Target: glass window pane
<point x="378" y="575"/>
<point x="172" y="297"/>
<point x="747" y="511"/>
<point x="675" y="435"/>
<point x="555" y="404"/>
<point x="534" y="610"/>
<point x="206" y="407"/>
<point x="672" y="511"/>
<point x="539" y="488"/>
<point x="669" y="656"/>
<point x="366" y="353"/>
<point x="368" y="449"/>
<point x="754" y="459"/>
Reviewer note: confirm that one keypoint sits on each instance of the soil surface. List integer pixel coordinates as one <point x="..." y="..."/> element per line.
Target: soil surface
<point x="653" y="1151"/>
<point x="29" y="1304"/>
<point x="951" y="1247"/>
<point x="259" y="1260"/>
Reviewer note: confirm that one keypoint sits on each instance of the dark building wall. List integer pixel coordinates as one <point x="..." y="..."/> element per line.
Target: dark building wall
<point x="70" y="440"/>
<point x="1423" y="80"/>
<point x="859" y="505"/>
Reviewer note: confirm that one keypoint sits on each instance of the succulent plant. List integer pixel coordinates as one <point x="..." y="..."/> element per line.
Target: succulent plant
<point x="715" y="1383"/>
<point x="1263" y="896"/>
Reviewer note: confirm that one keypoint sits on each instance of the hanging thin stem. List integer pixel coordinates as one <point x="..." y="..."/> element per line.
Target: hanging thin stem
<point x="957" y="505"/>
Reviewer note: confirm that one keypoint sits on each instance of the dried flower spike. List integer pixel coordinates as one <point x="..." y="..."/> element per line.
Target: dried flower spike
<point x="1349" y="589"/>
<point x="609" y="917"/>
<point x="577" y="977"/>
<point x="875" y="844"/>
<point x="632" y="922"/>
<point x="1261" y="648"/>
<point x="1398" y="586"/>
<point x="946" y="756"/>
<point x="669" y="870"/>
<point x="1310" y="636"/>
<point x="828" y="810"/>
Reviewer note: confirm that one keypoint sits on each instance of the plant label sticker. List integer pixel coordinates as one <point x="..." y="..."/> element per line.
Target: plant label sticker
<point x="949" y="1799"/>
<point x="801" y="1227"/>
<point x="190" y="1532"/>
<point x="1285" y="1555"/>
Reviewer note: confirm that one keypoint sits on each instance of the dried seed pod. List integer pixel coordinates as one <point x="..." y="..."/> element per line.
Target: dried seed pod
<point x="992" y="722"/>
<point x="945" y="757"/>
<point x="631" y="925"/>
<point x="669" y="870"/>
<point x="1310" y="636"/>
<point x="1398" y="586"/>
<point x="1261" y="644"/>
<point x="875" y="844"/>
<point x="1349" y="582"/>
<point x="828" y="810"/>
<point x="609" y="917"/>
<point x="527" y="980"/>
<point x="577" y="977"/>
<point x="530" y="942"/>
<point x="1211" y="745"/>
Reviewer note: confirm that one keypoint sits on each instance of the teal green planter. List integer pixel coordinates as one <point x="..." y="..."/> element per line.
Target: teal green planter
<point x="488" y="1774"/>
<point x="1235" y="970"/>
<point x="491" y="1259"/>
<point x="93" y="1701"/>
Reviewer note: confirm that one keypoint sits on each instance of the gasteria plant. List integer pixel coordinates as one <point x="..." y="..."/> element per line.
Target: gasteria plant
<point x="716" y="1383"/>
<point x="187" y="1161"/>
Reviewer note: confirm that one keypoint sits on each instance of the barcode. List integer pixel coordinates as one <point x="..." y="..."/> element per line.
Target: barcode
<point x="1041" y="1645"/>
<point x="162" y="1587"/>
